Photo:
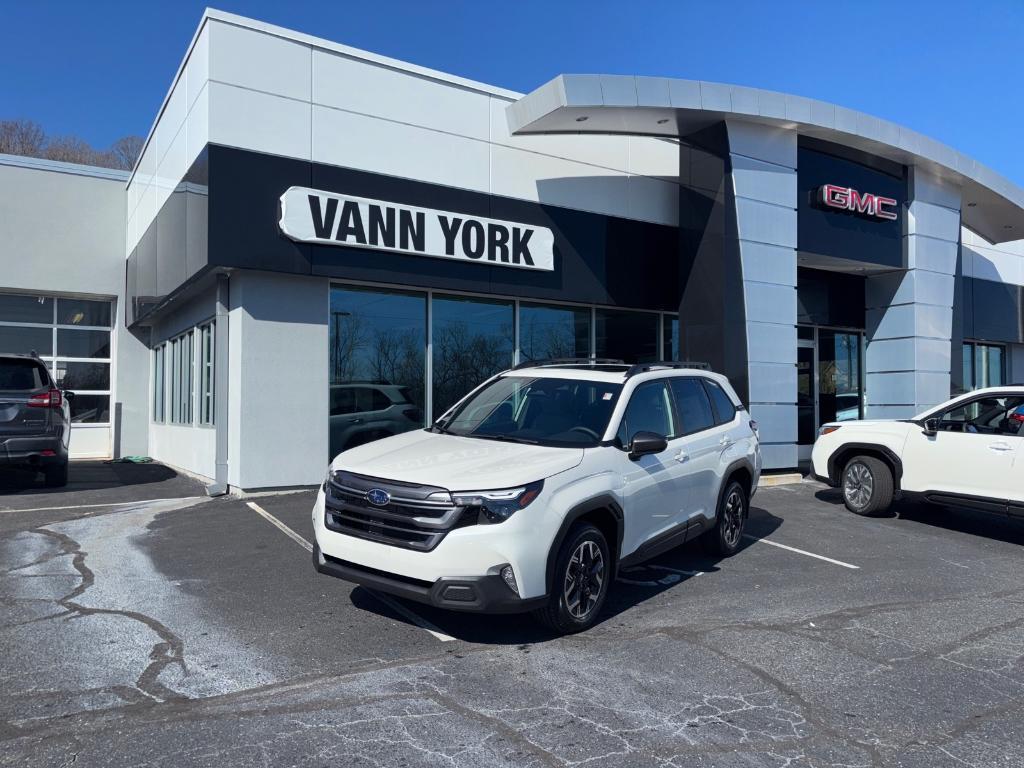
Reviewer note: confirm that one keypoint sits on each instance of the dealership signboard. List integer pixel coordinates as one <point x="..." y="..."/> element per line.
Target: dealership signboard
<point x="314" y="216"/>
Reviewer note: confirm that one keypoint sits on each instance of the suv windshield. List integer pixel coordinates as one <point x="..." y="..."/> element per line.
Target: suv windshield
<point x="554" y="412"/>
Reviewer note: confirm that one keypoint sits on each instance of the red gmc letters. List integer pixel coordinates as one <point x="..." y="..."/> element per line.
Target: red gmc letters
<point x="849" y="199"/>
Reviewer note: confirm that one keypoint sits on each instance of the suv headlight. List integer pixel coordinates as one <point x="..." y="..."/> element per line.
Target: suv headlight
<point x="827" y="429"/>
<point x="499" y="505"/>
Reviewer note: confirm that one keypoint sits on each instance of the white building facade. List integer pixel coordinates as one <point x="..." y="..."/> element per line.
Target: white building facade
<point x="321" y="247"/>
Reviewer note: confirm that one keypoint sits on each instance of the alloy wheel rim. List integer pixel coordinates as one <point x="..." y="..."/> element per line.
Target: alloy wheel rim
<point x="584" y="579"/>
<point x="858" y="485"/>
<point x="733" y="519"/>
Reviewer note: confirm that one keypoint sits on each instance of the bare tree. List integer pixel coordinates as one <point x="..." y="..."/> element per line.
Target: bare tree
<point x="71" y="149"/>
<point x="22" y="137"/>
<point x="28" y="139"/>
<point x="126" y="151"/>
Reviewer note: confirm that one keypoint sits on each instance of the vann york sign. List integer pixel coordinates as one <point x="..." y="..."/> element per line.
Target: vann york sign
<point x="863" y="203"/>
<point x="314" y="216"/>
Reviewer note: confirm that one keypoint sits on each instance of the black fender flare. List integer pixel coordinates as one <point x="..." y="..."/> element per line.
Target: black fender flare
<point x="848" y="449"/>
<point x="602" y="502"/>
<point x="730" y="470"/>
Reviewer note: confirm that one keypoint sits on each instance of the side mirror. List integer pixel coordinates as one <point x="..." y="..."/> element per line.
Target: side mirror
<point x="644" y="443"/>
<point x="931" y="427"/>
<point x="69" y="396"/>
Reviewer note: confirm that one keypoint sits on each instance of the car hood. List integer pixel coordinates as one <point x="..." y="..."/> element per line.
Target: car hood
<point x="456" y="463"/>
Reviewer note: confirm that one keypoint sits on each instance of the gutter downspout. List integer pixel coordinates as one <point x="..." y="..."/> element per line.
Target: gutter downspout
<point x="219" y="487"/>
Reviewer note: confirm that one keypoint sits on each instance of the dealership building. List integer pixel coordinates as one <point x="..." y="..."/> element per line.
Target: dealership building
<point x="321" y="246"/>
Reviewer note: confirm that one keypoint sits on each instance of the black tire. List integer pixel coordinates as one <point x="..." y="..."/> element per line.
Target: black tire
<point x="584" y="542"/>
<point x="725" y="538"/>
<point x="867" y="485"/>
<point x="57" y="476"/>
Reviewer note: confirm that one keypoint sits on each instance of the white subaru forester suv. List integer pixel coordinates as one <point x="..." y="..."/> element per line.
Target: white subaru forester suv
<point x="537" y="487"/>
<point x="968" y="451"/>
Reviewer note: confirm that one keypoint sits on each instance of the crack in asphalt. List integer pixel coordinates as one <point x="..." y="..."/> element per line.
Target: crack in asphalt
<point x="170" y="649"/>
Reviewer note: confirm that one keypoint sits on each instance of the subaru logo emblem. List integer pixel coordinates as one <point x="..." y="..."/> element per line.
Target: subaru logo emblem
<point x="377" y="497"/>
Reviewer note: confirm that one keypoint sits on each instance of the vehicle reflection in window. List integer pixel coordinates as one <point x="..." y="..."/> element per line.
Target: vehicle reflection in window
<point x="377" y="368"/>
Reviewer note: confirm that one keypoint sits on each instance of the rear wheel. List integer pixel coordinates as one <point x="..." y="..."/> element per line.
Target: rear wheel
<point x="580" y="583"/>
<point x="725" y="538"/>
<point x="56" y="476"/>
<point x="867" y="485"/>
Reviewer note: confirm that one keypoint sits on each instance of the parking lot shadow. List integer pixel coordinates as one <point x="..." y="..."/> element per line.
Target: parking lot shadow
<point x="950" y="518"/>
<point x="114" y="482"/>
<point x="634" y="586"/>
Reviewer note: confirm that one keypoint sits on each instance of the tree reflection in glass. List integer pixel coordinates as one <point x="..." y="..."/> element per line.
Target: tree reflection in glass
<point x="472" y="340"/>
<point x="553" y="332"/>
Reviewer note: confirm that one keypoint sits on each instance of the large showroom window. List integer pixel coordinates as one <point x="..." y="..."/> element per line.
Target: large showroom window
<point x="472" y="340"/>
<point x="984" y="365"/>
<point x="72" y="336"/>
<point x="377" y="371"/>
<point x="180" y="375"/>
<point x="399" y="359"/>
<point x="547" y="332"/>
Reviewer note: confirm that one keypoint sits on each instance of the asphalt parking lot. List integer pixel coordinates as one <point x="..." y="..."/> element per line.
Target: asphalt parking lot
<point x="144" y="624"/>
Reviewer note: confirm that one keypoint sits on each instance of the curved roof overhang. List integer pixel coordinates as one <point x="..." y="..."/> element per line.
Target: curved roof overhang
<point x="663" y="107"/>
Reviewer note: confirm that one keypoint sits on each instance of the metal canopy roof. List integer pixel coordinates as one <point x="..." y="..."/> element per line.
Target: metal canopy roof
<point x="666" y="107"/>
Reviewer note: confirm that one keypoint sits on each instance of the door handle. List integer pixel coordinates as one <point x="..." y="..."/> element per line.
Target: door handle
<point x="355" y="421"/>
<point x="1000" y="446"/>
<point x="681" y="457"/>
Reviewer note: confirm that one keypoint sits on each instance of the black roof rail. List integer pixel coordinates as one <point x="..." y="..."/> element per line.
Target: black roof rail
<point x="662" y="364"/>
<point x="556" y="361"/>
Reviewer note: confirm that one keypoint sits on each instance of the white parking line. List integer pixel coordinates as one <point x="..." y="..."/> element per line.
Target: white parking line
<point x="804" y="552"/>
<point x="88" y="506"/>
<point x="392" y="604"/>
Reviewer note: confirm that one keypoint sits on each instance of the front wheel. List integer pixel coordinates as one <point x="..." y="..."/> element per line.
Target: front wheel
<point x="725" y="538"/>
<point x="867" y="485"/>
<point x="580" y="583"/>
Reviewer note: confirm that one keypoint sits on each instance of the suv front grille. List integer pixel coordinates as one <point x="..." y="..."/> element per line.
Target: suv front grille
<point x="414" y="516"/>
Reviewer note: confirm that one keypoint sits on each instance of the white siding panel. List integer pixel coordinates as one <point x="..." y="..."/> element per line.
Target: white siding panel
<point x="551" y="180"/>
<point x="259" y="121"/>
<point x="259" y="61"/>
<point x="381" y="146"/>
<point x="345" y="83"/>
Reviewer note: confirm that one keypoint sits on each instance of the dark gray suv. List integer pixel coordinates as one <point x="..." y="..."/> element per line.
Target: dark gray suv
<point x="35" y="419"/>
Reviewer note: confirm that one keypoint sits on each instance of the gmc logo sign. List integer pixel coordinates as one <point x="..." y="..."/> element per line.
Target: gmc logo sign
<point x="864" y="203"/>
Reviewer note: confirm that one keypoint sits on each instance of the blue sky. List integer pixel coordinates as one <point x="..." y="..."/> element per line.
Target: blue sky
<point x="952" y="70"/>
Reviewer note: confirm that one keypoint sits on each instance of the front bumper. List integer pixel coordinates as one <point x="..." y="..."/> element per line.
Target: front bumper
<point x="477" y="594"/>
<point x="32" y="451"/>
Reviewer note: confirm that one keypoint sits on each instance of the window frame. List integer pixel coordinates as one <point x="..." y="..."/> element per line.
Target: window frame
<point x="206" y="374"/>
<point x="708" y="384"/>
<point x="707" y="397"/>
<point x="53" y="358"/>
<point x="673" y="411"/>
<point x="974" y="347"/>
<point x="939" y="415"/>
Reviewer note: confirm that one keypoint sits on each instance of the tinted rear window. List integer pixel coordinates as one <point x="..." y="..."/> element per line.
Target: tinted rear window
<point x="725" y="409"/>
<point x="22" y="376"/>
<point x="692" y="404"/>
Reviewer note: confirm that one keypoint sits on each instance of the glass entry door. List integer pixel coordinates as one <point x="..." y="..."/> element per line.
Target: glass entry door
<point x="830" y="382"/>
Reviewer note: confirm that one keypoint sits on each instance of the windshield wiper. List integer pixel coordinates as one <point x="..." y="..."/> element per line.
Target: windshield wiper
<point x="505" y="438"/>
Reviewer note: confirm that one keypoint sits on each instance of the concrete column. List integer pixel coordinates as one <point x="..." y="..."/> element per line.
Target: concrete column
<point x="910" y="312"/>
<point x="277" y="380"/>
<point x="763" y="164"/>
